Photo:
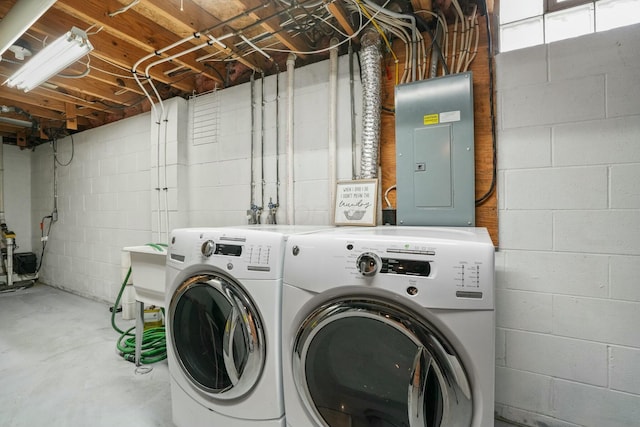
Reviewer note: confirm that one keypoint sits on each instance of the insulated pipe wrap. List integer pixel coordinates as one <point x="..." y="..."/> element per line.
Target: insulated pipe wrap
<point x="371" y="103"/>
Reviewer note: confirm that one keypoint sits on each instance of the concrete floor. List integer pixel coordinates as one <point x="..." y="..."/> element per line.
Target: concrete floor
<point x="58" y="366"/>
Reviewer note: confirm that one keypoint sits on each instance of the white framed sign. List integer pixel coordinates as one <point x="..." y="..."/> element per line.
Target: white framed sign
<point x="356" y="202"/>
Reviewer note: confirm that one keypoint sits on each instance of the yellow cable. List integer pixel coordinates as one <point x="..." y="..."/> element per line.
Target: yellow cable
<point x="377" y="27"/>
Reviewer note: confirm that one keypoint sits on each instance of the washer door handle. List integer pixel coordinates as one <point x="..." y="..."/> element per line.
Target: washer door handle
<point x="417" y="386"/>
<point x="241" y="317"/>
<point x="227" y="346"/>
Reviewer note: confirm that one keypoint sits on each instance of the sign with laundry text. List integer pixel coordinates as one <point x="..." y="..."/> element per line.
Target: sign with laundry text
<point x="356" y="202"/>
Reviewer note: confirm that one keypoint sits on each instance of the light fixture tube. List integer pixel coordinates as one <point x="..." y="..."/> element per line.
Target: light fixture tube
<point x="19" y="19"/>
<point x="51" y="60"/>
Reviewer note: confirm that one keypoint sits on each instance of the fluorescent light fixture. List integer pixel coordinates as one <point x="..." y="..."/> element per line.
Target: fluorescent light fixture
<point x="51" y="60"/>
<point x="19" y="19"/>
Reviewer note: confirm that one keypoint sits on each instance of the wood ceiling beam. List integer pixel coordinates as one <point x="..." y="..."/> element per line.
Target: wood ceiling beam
<point x="40" y="105"/>
<point x="184" y="23"/>
<point x="337" y="10"/>
<point x="119" y="52"/>
<point x="69" y="91"/>
<point x="273" y="25"/>
<point x="34" y="110"/>
<point x="422" y="5"/>
<point x="88" y="88"/>
<point x="149" y="35"/>
<point x="41" y="101"/>
<point x="52" y="99"/>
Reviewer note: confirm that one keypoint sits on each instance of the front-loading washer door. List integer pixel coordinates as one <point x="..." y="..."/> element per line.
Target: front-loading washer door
<point x="370" y="362"/>
<point x="217" y="335"/>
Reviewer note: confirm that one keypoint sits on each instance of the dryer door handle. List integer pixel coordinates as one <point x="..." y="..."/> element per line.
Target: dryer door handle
<point x="417" y="386"/>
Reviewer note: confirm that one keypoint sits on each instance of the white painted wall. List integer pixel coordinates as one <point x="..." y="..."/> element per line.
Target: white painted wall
<point x="17" y="194"/>
<point x="568" y="297"/>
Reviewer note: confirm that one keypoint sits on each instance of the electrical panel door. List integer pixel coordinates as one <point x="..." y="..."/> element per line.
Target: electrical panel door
<point x="435" y="173"/>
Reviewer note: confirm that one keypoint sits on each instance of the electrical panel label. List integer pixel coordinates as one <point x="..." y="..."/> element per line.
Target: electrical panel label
<point x="431" y="119"/>
<point x="450" y="116"/>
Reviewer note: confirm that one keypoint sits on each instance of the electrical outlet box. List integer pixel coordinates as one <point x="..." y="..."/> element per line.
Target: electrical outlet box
<point x="435" y="166"/>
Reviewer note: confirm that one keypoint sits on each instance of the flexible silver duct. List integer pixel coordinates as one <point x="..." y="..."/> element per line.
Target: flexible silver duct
<point x="371" y="103"/>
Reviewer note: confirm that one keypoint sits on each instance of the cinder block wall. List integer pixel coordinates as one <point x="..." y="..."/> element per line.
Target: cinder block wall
<point x="220" y="172"/>
<point x="568" y="298"/>
<point x="103" y="205"/>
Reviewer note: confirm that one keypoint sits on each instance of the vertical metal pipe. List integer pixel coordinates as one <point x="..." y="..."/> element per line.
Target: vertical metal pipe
<point x="277" y="135"/>
<point x="371" y="103"/>
<point x="262" y="135"/>
<point x="251" y="213"/>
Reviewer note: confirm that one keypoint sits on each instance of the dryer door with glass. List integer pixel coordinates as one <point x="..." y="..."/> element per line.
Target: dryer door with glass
<point x="371" y="362"/>
<point x="217" y="336"/>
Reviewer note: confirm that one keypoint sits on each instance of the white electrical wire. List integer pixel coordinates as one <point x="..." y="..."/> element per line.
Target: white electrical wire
<point x="476" y="32"/>
<point x="355" y="34"/>
<point x="123" y="9"/>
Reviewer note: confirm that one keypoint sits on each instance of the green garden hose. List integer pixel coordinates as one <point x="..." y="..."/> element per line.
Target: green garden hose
<point x="154" y="341"/>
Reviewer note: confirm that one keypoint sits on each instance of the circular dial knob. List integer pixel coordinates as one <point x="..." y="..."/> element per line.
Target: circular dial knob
<point x="368" y="264"/>
<point x="207" y="248"/>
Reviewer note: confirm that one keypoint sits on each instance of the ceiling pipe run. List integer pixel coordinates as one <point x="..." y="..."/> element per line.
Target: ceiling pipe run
<point x="16" y="122"/>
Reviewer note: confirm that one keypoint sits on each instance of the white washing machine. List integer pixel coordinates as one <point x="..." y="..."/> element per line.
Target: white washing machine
<point x="224" y="290"/>
<point x="389" y="327"/>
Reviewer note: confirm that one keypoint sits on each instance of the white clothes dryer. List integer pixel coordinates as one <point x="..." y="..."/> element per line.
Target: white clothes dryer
<point x="224" y="290"/>
<point x="389" y="327"/>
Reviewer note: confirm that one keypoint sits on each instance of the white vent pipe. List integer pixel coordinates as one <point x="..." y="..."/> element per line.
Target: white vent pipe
<point x="291" y="62"/>
<point x="333" y="119"/>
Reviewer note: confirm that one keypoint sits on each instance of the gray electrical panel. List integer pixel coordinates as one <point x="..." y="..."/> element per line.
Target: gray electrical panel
<point x="435" y="169"/>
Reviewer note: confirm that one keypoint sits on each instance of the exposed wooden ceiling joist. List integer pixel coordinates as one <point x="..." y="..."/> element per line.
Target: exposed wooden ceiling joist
<point x="123" y="32"/>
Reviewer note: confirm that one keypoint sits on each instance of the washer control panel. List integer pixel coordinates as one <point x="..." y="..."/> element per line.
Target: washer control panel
<point x="230" y="249"/>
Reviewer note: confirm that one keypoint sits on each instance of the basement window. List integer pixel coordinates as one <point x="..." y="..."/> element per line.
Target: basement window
<point x="525" y="23"/>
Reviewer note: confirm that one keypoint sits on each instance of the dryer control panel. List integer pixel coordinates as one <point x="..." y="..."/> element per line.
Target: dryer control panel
<point x="437" y="272"/>
<point x="405" y="266"/>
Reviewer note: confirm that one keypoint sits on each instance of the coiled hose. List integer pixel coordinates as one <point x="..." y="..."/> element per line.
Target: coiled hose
<point x="154" y="340"/>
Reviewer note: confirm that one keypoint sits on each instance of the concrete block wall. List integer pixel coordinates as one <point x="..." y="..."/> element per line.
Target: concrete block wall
<point x="103" y="205"/>
<point x="168" y="163"/>
<point x="219" y="173"/>
<point x="568" y="297"/>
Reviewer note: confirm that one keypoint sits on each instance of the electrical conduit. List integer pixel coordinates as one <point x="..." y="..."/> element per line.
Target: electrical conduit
<point x="414" y="31"/>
